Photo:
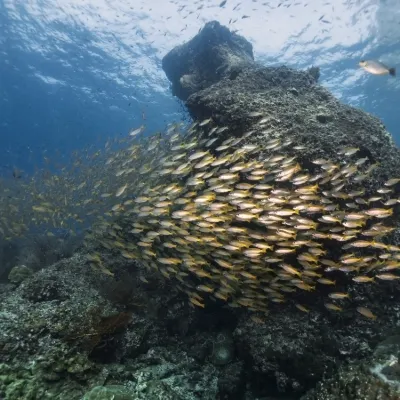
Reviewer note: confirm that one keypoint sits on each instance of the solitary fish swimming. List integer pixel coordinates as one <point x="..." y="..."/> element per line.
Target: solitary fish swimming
<point x="377" y="68"/>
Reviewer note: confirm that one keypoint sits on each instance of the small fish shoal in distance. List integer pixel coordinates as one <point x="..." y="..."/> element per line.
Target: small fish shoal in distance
<point x="224" y="218"/>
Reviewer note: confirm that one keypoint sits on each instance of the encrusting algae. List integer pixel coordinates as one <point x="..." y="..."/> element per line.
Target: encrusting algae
<point x="228" y="219"/>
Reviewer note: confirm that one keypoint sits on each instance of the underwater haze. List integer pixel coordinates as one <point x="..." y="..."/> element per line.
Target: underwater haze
<point x="73" y="73"/>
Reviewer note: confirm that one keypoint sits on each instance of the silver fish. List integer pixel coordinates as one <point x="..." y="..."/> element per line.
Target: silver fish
<point x="135" y="132"/>
<point x="376" y="67"/>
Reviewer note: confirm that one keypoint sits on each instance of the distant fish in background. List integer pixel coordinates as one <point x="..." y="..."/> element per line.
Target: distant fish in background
<point x="377" y="68"/>
<point x="17" y="174"/>
<point x="136" y="131"/>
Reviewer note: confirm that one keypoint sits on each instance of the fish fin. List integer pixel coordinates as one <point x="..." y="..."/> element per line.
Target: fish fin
<point x="392" y="71"/>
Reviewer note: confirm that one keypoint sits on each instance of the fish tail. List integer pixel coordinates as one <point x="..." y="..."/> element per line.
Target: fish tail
<point x="392" y="71"/>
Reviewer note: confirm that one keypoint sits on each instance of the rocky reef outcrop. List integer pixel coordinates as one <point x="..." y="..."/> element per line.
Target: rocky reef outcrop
<point x="295" y="106"/>
<point x="210" y="56"/>
<point x="267" y="103"/>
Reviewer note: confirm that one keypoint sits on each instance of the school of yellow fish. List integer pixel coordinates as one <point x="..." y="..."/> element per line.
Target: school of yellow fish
<point x="224" y="217"/>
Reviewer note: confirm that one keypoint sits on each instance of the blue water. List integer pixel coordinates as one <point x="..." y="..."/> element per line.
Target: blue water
<point x="73" y="73"/>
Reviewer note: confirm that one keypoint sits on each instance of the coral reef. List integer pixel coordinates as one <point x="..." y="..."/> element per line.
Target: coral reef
<point x="19" y="273"/>
<point x="111" y="392"/>
<point x="60" y="337"/>
<point x="69" y="331"/>
<point x="375" y="378"/>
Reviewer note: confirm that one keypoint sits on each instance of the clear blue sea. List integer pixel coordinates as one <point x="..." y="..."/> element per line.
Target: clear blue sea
<point x="73" y="73"/>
